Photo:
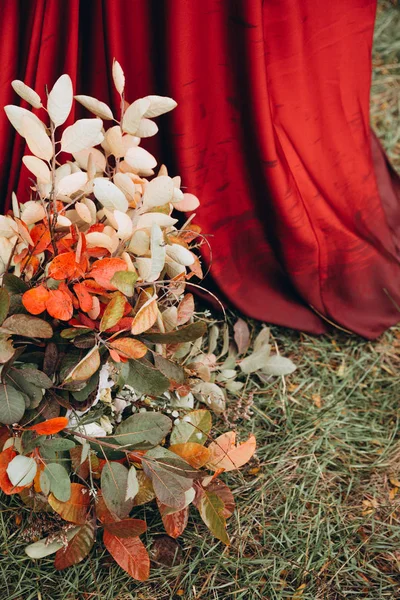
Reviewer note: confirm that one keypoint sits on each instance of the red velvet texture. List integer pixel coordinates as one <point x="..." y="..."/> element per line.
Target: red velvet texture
<point x="271" y="132"/>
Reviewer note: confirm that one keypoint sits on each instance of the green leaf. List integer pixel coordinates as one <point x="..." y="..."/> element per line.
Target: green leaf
<point x="17" y="379"/>
<point x="256" y="361"/>
<point x="278" y="366"/>
<point x="16" y="306"/>
<point x="170" y="369"/>
<point x="189" y="333"/>
<point x="60" y="484"/>
<point x="30" y="441"/>
<point x="4" y="304"/>
<point x="145" y="379"/>
<point x="27" y="326"/>
<point x="169" y="482"/>
<point x="194" y="427"/>
<point x="37" y="377"/>
<point x="12" y="405"/>
<point x="124" y="281"/>
<point x="143" y="430"/>
<point x="91" y="385"/>
<point x="85" y="341"/>
<point x="114" y="483"/>
<point x="14" y="284"/>
<point x="114" y="311"/>
<point x="78" y="547"/>
<point x="72" y="332"/>
<point x="21" y="470"/>
<point x="57" y="444"/>
<point x="211" y="509"/>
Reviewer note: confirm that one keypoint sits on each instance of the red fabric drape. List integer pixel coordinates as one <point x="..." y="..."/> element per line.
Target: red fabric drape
<point x="271" y="132"/>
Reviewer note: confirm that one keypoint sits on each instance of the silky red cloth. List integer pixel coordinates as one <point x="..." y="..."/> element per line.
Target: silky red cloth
<point x="271" y="132"/>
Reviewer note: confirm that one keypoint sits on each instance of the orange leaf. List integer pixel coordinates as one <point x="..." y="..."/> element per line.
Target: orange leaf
<point x="195" y="454"/>
<point x="5" y="484"/>
<point x="30" y="265"/>
<point x="59" y="305"/>
<point x="76" y="509"/>
<point x="85" y="299"/>
<point x="127" y="527"/>
<point x="41" y="238"/>
<point x="129" y="347"/>
<point x="114" y="312"/>
<point x="224" y="454"/>
<point x="185" y="309"/>
<point x="130" y="554"/>
<point x="50" y="426"/>
<point x="36" y="482"/>
<point x="103" y="271"/>
<point x="175" y="524"/>
<point x="145" y="317"/>
<point x="35" y="300"/>
<point x="63" y="266"/>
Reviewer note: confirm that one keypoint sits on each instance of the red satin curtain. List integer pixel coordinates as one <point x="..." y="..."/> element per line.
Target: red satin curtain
<point x="271" y="132"/>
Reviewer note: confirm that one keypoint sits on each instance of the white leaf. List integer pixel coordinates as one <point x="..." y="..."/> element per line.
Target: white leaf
<point x="27" y="93"/>
<point x="38" y="168"/>
<point x="126" y="185"/>
<point x="158" y="191"/>
<point x="143" y="266"/>
<point x="159" y="105"/>
<point x="8" y="227"/>
<point x="132" y="484"/>
<point x="83" y="212"/>
<point x="72" y="183"/>
<point x="256" y="361"/>
<point x="6" y="250"/>
<point x="147" y="128"/>
<point x="124" y="225"/>
<point x="37" y="139"/>
<point x="118" y="77"/>
<point x="15" y="205"/>
<point x="95" y="311"/>
<point x="261" y="339"/>
<point x="170" y="318"/>
<point x="16" y="114"/>
<point x="59" y="102"/>
<point x="129" y="141"/>
<point x="32" y="212"/>
<point x="279" y="365"/>
<point x="61" y="172"/>
<point x="157" y="248"/>
<point x="189" y="202"/>
<point x="109" y="195"/>
<point x="100" y="239"/>
<point x="100" y="109"/>
<point x="84" y="133"/>
<point x="160" y="219"/>
<point x="82" y="158"/>
<point x="133" y="115"/>
<point x="139" y="159"/>
<point x="43" y="548"/>
<point x="210" y="394"/>
<point x="173" y="268"/>
<point x="180" y="255"/>
<point x="140" y="243"/>
<point x="91" y="206"/>
<point x="63" y="221"/>
<point x="113" y="142"/>
<point x="178" y="195"/>
<point x="21" y="470"/>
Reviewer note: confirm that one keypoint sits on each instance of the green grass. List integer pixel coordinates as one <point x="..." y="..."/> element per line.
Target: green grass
<point x="318" y="516"/>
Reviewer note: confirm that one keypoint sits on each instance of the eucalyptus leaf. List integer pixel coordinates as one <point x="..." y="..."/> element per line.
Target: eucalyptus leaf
<point x="21" y="470"/>
<point x="28" y="326"/>
<point x="12" y="405"/>
<point x="278" y="365"/>
<point x="60" y="484"/>
<point x="4" y="304"/>
<point x="169" y="368"/>
<point x="143" y="430"/>
<point x="14" y="284"/>
<point x="188" y="333"/>
<point x="114" y="485"/>
<point x="145" y="379"/>
<point x="125" y="281"/>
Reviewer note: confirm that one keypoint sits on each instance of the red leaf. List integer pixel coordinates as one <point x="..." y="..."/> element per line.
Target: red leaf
<point x="35" y="300"/>
<point x="242" y="335"/>
<point x="85" y="299"/>
<point x="51" y="426"/>
<point x="175" y="524"/>
<point x="126" y="528"/>
<point x="130" y="554"/>
<point x="185" y="309"/>
<point x="5" y="484"/>
<point x="103" y="271"/>
<point x="59" y="305"/>
<point x="78" y="548"/>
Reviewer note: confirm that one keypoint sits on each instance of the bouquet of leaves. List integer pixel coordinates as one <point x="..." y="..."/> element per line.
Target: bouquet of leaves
<point x="96" y="327"/>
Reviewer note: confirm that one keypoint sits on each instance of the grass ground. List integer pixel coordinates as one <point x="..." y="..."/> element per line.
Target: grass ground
<point x="319" y="514"/>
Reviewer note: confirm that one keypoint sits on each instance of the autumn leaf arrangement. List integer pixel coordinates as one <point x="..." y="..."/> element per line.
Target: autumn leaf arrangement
<point x="97" y="393"/>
